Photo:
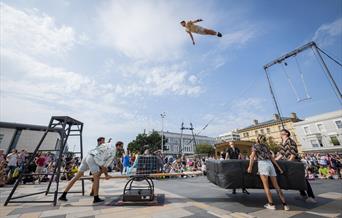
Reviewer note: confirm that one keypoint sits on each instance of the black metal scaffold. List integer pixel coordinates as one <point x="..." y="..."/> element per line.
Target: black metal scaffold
<point x="65" y="126"/>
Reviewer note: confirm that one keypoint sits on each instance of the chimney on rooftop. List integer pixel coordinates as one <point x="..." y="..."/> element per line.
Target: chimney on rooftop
<point x="255" y="122"/>
<point x="294" y="116"/>
<point x="276" y="117"/>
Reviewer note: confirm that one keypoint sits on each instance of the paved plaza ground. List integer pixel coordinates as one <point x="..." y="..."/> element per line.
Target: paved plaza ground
<point x="184" y="197"/>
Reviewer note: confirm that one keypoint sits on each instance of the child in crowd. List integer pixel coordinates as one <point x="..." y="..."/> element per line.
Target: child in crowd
<point x="323" y="172"/>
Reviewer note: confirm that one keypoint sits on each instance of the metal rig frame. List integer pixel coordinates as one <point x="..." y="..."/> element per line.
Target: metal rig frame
<point x="279" y="60"/>
<point x="191" y="128"/>
<point x="65" y="126"/>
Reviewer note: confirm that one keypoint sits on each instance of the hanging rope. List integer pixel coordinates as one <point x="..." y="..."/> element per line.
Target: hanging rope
<point x="303" y="81"/>
<point x="290" y="81"/>
<point x="332" y="86"/>
<point x="333" y="59"/>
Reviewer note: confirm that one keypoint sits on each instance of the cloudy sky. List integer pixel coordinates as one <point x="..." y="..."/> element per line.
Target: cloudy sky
<point x="117" y="65"/>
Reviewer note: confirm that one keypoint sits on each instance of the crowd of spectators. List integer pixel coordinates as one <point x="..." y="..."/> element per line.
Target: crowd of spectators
<point x="322" y="166"/>
<point x="167" y="164"/>
<point x="43" y="165"/>
<point x="39" y="170"/>
<point x="318" y="166"/>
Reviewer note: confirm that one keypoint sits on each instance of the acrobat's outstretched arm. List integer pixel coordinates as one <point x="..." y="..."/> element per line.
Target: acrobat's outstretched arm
<point x="196" y="21"/>
<point x="192" y="38"/>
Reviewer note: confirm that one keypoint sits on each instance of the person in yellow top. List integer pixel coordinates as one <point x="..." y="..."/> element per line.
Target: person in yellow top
<point x="191" y="27"/>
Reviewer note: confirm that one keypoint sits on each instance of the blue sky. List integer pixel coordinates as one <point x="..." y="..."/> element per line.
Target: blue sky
<point x="116" y="65"/>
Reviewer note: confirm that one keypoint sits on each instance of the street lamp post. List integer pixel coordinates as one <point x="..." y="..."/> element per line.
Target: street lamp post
<point x="162" y="136"/>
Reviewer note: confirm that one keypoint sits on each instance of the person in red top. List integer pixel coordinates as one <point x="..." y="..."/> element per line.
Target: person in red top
<point x="40" y="166"/>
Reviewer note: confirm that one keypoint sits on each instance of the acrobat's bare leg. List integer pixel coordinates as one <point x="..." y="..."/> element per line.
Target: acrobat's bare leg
<point x="210" y="32"/>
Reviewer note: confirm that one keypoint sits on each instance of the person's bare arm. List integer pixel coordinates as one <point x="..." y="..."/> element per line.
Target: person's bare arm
<point x="279" y="157"/>
<point x="277" y="165"/>
<point x="292" y="157"/>
<point x="196" y="21"/>
<point x="251" y="162"/>
<point x="192" y="38"/>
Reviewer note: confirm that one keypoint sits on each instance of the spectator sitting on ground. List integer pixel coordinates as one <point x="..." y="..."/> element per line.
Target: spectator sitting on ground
<point x="331" y="173"/>
<point x="30" y="167"/>
<point x="311" y="174"/>
<point x="3" y="165"/>
<point x="72" y="170"/>
<point x="323" y="172"/>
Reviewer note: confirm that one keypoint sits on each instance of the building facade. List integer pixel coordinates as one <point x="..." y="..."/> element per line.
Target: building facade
<point x="271" y="129"/>
<point x="228" y="137"/>
<point x="174" y="145"/>
<point x="321" y="133"/>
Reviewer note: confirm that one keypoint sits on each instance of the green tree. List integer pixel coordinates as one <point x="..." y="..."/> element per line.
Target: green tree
<point x="143" y="141"/>
<point x="273" y="145"/>
<point x="204" y="149"/>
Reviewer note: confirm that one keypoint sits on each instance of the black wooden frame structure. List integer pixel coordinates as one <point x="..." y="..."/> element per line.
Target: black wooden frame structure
<point x="65" y="126"/>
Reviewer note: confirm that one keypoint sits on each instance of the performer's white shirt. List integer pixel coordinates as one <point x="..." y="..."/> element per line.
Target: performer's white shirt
<point x="104" y="154"/>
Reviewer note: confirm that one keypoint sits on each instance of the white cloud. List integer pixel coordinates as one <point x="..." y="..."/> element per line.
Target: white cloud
<point x="149" y="29"/>
<point x="239" y="37"/>
<point x="143" y="77"/>
<point x="326" y="34"/>
<point x="34" y="33"/>
<point x="153" y="64"/>
<point x="238" y="115"/>
<point x="141" y="29"/>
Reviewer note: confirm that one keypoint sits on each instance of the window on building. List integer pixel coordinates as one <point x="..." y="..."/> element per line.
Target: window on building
<point x="320" y="142"/>
<point x="268" y="130"/>
<point x="334" y="140"/>
<point x="306" y="130"/>
<point x="1" y="138"/>
<point x="320" y="127"/>
<point x="338" y="124"/>
<point x="314" y="143"/>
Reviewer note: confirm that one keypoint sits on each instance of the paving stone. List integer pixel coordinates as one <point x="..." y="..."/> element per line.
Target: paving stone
<point x="32" y="209"/>
<point x="241" y="215"/>
<point x="180" y="212"/>
<point x="331" y="195"/>
<point x="306" y="215"/>
<point x="194" y="197"/>
<point x="30" y="215"/>
<point x="57" y="216"/>
<point x="198" y="212"/>
<point x="276" y="213"/>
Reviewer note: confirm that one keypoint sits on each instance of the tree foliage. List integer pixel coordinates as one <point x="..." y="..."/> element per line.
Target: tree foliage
<point x="273" y="145"/>
<point x="205" y="149"/>
<point x="145" y="141"/>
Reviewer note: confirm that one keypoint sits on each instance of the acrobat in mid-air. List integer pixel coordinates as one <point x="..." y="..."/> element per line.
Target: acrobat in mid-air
<point x="191" y="27"/>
